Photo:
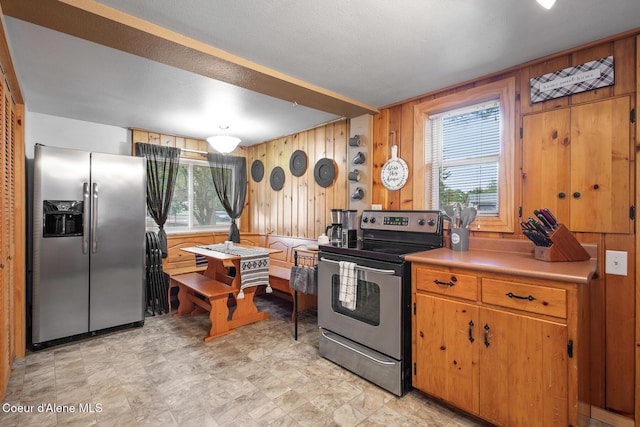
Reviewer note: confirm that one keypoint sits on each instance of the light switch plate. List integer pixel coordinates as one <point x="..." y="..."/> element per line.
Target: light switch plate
<point x="376" y="207"/>
<point x="616" y="263"/>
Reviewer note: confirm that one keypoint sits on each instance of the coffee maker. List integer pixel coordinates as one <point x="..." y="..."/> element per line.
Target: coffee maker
<point x="343" y="231"/>
<point x="334" y="231"/>
<point x="349" y="228"/>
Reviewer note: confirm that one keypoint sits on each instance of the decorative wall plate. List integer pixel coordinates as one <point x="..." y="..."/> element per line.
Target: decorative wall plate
<point x="395" y="171"/>
<point x="324" y="172"/>
<point x="277" y="178"/>
<point x="257" y="170"/>
<point x="298" y="163"/>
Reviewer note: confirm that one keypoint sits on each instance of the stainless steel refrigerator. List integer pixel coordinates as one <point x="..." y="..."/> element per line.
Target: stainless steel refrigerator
<point x="88" y="243"/>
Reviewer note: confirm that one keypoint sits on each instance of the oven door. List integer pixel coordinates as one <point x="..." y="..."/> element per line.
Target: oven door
<point x="376" y="322"/>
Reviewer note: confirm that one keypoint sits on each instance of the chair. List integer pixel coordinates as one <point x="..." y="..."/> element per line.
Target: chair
<point x="156" y="289"/>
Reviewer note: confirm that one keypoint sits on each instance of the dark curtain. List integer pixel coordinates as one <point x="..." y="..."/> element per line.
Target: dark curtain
<point x="229" y="175"/>
<point x="162" y="169"/>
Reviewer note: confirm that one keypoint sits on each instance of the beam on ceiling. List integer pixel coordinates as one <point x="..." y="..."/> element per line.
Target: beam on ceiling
<point x="101" y="24"/>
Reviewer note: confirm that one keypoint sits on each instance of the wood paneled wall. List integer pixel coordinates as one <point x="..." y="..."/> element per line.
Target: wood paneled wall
<point x="302" y="207"/>
<point x="612" y="310"/>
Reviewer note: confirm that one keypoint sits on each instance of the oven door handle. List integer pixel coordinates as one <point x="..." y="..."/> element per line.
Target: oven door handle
<point x="382" y="362"/>
<point x="359" y="267"/>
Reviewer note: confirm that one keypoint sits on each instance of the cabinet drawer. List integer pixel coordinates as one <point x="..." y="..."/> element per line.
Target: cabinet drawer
<point x="447" y="283"/>
<point x="535" y="299"/>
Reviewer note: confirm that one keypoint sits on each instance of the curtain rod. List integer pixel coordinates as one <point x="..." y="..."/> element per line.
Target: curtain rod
<point x="193" y="151"/>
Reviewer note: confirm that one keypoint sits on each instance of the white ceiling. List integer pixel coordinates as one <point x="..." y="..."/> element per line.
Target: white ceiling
<point x="371" y="51"/>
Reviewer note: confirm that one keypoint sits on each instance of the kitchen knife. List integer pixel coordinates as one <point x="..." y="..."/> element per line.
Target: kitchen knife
<point x="543" y="218"/>
<point x="537" y="238"/>
<point x="552" y="219"/>
<point x="526" y="226"/>
<point x="538" y="226"/>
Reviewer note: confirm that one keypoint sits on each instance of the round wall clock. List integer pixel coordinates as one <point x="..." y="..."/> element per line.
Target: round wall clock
<point x="395" y="171"/>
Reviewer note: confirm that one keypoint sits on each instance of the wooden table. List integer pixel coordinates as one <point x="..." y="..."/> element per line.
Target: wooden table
<point x="218" y="268"/>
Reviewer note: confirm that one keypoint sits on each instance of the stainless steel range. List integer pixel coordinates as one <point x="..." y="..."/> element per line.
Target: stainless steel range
<point x="364" y="296"/>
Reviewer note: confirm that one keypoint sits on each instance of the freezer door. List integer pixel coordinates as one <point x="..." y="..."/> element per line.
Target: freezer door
<point x="60" y="291"/>
<point x="118" y="194"/>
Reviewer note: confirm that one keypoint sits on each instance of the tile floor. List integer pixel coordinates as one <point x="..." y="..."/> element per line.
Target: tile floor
<point x="163" y="374"/>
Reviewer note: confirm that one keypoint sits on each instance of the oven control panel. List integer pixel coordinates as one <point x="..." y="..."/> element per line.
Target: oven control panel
<point x="415" y="221"/>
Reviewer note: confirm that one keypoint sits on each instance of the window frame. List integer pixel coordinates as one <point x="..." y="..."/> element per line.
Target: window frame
<point x="190" y="163"/>
<point x="504" y="92"/>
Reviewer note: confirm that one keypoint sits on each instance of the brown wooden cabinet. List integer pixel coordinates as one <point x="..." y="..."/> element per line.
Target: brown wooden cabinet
<point x="577" y="163"/>
<point x="501" y="347"/>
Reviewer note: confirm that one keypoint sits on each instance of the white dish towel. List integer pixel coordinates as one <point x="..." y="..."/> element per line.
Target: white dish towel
<point x="348" y="285"/>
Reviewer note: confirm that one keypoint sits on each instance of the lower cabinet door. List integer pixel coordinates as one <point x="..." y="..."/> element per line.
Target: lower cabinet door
<point x="506" y="368"/>
<point x="447" y="340"/>
<point x="523" y="370"/>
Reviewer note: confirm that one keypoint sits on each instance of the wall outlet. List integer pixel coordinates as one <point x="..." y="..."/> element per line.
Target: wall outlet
<point x="616" y="263"/>
<point x="376" y="207"/>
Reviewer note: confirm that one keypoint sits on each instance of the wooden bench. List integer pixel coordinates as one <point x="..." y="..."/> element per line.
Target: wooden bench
<point x="280" y="268"/>
<point x="196" y="293"/>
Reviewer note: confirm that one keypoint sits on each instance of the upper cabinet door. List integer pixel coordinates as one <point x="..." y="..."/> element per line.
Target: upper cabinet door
<point x="576" y="163"/>
<point x="547" y="163"/>
<point x="600" y="180"/>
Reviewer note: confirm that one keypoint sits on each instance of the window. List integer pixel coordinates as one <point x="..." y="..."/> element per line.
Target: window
<point x="463" y="149"/>
<point x="195" y="205"/>
<point x="466" y="143"/>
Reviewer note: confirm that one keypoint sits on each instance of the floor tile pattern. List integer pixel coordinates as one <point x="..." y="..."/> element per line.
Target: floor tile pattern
<point x="163" y="374"/>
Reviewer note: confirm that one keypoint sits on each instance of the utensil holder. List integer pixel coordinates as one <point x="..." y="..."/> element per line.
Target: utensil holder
<point x="564" y="247"/>
<point x="460" y="239"/>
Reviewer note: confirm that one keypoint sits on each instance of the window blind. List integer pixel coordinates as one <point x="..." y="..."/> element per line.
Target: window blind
<point x="463" y="150"/>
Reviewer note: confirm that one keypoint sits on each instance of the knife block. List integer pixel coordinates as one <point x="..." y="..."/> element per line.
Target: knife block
<point x="564" y="247"/>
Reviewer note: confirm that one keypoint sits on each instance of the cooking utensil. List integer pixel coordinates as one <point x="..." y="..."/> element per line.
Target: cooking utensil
<point x="467" y="216"/>
<point x="448" y="210"/>
<point x="457" y="209"/>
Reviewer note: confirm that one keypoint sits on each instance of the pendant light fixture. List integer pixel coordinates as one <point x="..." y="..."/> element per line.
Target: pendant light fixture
<point x="547" y="4"/>
<point x="224" y="144"/>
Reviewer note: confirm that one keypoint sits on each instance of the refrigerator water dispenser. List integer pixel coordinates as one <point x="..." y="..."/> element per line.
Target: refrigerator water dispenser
<point x="62" y="218"/>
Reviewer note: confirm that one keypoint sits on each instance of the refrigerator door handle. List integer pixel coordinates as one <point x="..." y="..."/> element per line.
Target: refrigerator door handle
<point x="85" y="218"/>
<point x="94" y="219"/>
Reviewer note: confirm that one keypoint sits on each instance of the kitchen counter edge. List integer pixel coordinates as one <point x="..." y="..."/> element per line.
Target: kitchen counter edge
<point x="521" y="263"/>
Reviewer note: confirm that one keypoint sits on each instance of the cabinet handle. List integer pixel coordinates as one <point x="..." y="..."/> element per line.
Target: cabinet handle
<point x="561" y="195"/>
<point x="438" y="282"/>
<point x="486" y="335"/>
<point x="512" y="295"/>
<point x="471" y="339"/>
<point x="576" y="195"/>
